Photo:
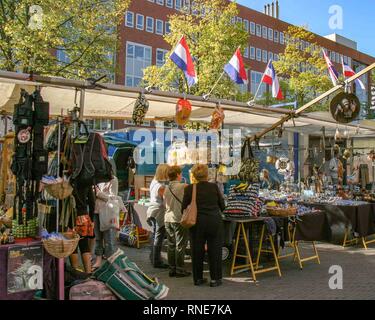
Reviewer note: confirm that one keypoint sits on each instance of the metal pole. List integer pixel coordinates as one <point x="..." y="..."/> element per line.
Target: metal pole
<point x="206" y="96"/>
<point x="82" y="104"/>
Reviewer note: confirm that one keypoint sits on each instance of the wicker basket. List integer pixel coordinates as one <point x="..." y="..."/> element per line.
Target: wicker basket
<point x="281" y="212"/>
<point x="62" y="248"/>
<point x="60" y="190"/>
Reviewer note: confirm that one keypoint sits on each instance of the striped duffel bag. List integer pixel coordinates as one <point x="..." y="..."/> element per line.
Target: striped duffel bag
<point x="127" y="281"/>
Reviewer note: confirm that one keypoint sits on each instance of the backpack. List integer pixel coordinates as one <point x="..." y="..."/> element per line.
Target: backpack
<point x="90" y="163"/>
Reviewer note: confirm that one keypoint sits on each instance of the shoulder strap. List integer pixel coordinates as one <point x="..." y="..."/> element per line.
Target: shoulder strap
<point x="194" y="195"/>
<point x="173" y="194"/>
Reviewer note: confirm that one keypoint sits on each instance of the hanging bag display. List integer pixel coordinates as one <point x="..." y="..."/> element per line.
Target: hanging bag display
<point x="217" y="118"/>
<point x="249" y="170"/>
<point x="140" y="109"/>
<point x="189" y="216"/>
<point x="183" y="112"/>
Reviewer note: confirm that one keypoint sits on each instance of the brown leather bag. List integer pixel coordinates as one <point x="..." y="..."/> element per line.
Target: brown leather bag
<point x="189" y="216"/>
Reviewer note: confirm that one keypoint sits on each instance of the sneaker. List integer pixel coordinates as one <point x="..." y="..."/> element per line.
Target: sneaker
<point x="182" y="274"/>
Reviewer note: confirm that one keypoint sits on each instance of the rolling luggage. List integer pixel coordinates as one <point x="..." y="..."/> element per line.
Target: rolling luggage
<point x="124" y="278"/>
<point x="91" y="290"/>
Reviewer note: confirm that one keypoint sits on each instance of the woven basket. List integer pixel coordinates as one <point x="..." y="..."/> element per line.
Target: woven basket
<point x="62" y="248"/>
<point x="281" y="212"/>
<point x="60" y="190"/>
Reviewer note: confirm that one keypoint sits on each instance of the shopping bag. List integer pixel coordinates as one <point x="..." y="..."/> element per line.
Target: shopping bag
<point x="110" y="216"/>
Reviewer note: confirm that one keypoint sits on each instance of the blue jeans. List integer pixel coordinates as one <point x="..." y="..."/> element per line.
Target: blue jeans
<point x="105" y="241"/>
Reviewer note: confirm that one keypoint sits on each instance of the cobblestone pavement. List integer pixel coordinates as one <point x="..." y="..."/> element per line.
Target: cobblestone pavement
<point x="311" y="283"/>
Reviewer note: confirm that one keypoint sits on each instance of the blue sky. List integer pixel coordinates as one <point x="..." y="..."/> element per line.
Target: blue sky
<point x="358" y="17"/>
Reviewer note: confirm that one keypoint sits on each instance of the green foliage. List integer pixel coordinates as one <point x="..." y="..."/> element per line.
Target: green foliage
<point x="212" y="40"/>
<point x="303" y="67"/>
<point x="84" y="30"/>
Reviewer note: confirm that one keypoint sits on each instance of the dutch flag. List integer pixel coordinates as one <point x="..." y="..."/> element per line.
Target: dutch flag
<point x="182" y="58"/>
<point x="270" y="78"/>
<point x="331" y="69"/>
<point x="349" y="72"/>
<point x="236" y="68"/>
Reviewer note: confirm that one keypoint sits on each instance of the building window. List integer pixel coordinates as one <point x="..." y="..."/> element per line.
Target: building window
<point x="169" y="3"/>
<point x="243" y="87"/>
<point x="281" y="38"/>
<point x="151" y="0"/>
<point x="276" y="57"/>
<point x="265" y="32"/>
<point x="140" y="22"/>
<point x="129" y="19"/>
<point x="238" y="19"/>
<point x="346" y="59"/>
<point x="270" y="34"/>
<point x="150" y="24"/>
<point x="159" y="27"/>
<point x="178" y="4"/>
<point x="256" y="78"/>
<point x="246" y="52"/>
<point x="99" y="124"/>
<point x="349" y="61"/>
<point x="167" y="28"/>
<point x="138" y="57"/>
<point x="265" y="56"/>
<point x="161" y="57"/>
<point x="246" y="25"/>
<point x="259" y="54"/>
<point x="270" y="56"/>
<point x="259" y="30"/>
<point x="252" y="53"/>
<point x="276" y="36"/>
<point x="160" y="2"/>
<point x="62" y="57"/>
<point x="252" y="27"/>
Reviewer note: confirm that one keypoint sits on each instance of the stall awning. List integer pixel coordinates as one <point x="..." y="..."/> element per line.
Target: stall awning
<point x="116" y="102"/>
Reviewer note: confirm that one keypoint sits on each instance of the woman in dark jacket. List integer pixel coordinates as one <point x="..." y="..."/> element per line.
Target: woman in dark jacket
<point x="209" y="226"/>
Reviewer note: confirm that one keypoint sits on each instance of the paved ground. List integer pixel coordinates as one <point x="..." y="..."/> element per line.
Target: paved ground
<point x="311" y="283"/>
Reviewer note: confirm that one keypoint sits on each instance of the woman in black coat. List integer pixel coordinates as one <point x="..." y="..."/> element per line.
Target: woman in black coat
<point x="209" y="226"/>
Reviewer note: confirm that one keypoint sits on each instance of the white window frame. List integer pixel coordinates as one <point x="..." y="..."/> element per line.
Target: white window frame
<point x="153" y="24"/>
<point x="140" y="27"/>
<point x="270" y="34"/>
<point x="179" y="6"/>
<point x="252" y="53"/>
<point x="258" y="30"/>
<point x="265" y="56"/>
<point x="167" y="23"/>
<point x="252" y="28"/>
<point x="169" y="3"/>
<point x="246" y="25"/>
<point x="255" y="84"/>
<point x="149" y="62"/>
<point x="246" y="52"/>
<point x="165" y="52"/>
<point x="270" y="55"/>
<point x="162" y="27"/>
<point x="127" y="23"/>
<point x="258" y="54"/>
<point x="264" y="32"/>
<point x="276" y="36"/>
<point x="282" y="39"/>
<point x="160" y="2"/>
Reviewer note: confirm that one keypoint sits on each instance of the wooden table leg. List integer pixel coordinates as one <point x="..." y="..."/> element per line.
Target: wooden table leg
<point x="235" y="250"/>
<point x="248" y="252"/>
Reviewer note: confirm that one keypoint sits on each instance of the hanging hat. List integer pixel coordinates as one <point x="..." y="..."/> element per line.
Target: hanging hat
<point x="140" y="109"/>
<point x="183" y="111"/>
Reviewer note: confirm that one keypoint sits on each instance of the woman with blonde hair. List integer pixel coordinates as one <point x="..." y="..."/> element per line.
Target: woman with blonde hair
<point x="209" y="226"/>
<point x="156" y="213"/>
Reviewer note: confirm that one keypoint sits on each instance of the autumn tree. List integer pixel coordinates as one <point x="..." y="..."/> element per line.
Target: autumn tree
<point x="213" y="36"/>
<point x="302" y="66"/>
<point x="84" y="33"/>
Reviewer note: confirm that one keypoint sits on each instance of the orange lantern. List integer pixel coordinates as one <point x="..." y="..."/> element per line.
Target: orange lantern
<point x="183" y="111"/>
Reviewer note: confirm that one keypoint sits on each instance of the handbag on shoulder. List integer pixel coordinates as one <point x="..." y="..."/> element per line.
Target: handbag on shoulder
<point x="189" y="216"/>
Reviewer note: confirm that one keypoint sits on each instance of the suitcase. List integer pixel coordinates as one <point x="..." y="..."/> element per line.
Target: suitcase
<point x="91" y="290"/>
<point x="124" y="278"/>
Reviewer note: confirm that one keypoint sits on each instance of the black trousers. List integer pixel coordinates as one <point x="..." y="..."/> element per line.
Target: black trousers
<point x="209" y="229"/>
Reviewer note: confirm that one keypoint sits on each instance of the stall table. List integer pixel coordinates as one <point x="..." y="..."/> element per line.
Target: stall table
<point x="360" y="219"/>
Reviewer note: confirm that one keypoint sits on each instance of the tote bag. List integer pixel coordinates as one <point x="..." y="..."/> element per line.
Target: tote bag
<point x="189" y="216"/>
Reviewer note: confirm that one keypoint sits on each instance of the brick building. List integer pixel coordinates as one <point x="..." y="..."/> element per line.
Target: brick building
<point x="146" y="21"/>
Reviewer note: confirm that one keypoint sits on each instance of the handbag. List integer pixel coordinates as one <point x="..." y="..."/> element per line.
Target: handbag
<point x="84" y="226"/>
<point x="249" y="170"/>
<point x="217" y="118"/>
<point x="140" y="109"/>
<point x="189" y="215"/>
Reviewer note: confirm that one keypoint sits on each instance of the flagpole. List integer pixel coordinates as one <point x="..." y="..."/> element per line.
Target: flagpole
<point x="260" y="84"/>
<point x="206" y="96"/>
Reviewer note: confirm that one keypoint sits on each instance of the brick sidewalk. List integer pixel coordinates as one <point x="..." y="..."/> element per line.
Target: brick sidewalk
<point x="311" y="283"/>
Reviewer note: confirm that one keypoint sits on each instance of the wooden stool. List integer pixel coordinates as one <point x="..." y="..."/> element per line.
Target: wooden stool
<point x="241" y="235"/>
<point x="347" y="243"/>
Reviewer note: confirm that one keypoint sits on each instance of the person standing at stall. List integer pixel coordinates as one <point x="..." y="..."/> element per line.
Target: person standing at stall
<point x="176" y="234"/>
<point x="156" y="213"/>
<point x="209" y="226"/>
